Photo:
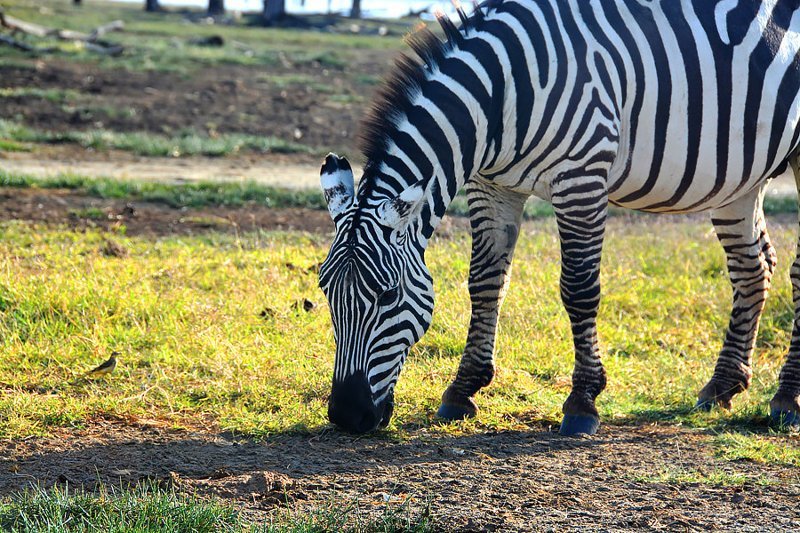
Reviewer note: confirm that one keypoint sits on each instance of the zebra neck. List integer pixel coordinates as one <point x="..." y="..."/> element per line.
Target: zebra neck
<point x="455" y="118"/>
<point x="441" y="143"/>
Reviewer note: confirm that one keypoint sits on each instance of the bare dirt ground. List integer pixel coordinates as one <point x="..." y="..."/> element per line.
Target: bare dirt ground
<point x="221" y="99"/>
<point x="531" y="479"/>
<point x="77" y="211"/>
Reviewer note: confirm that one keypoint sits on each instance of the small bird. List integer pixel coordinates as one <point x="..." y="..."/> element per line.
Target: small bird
<point x="105" y="368"/>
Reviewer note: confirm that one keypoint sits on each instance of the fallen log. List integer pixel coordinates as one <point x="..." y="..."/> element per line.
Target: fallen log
<point x="28" y="28"/>
<point x="25" y="47"/>
<point x="91" y="41"/>
<point x="100" y="31"/>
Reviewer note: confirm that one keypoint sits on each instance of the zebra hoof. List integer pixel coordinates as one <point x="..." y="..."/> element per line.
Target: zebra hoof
<point x="454" y="412"/>
<point x="579" y="425"/>
<point x="785" y="419"/>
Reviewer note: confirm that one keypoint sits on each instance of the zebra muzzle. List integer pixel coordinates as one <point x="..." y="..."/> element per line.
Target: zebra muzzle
<point x="352" y="408"/>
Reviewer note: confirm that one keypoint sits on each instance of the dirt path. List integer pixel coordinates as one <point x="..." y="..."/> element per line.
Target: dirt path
<point x="297" y="172"/>
<point x="523" y="480"/>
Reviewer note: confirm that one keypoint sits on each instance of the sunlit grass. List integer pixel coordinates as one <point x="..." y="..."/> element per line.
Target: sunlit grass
<point x="142" y="509"/>
<point x="210" y="332"/>
<point x="757" y="448"/>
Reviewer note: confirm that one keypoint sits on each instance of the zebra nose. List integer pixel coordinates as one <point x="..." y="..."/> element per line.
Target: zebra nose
<point x="351" y="407"/>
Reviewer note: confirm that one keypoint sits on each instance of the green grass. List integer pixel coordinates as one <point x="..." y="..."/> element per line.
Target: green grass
<point x="14" y="146"/>
<point x="91" y="213"/>
<point x="51" y="95"/>
<point x="142" y="509"/>
<point x="192" y="194"/>
<point x="757" y="449"/>
<point x="197" y="350"/>
<point x="149" y="144"/>
<point x="149" y="508"/>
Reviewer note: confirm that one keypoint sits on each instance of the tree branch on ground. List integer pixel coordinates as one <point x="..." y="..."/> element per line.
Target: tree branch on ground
<point x="90" y="41"/>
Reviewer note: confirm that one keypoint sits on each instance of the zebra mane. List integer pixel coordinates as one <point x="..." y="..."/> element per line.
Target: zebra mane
<point x="405" y="80"/>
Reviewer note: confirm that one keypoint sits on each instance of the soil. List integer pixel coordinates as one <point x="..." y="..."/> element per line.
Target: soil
<point x="223" y="99"/>
<point x="531" y="479"/>
<point x="77" y="211"/>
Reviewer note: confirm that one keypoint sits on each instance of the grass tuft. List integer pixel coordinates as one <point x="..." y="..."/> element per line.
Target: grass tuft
<point x="756" y="448"/>
<point x="715" y="478"/>
<point x="146" y="508"/>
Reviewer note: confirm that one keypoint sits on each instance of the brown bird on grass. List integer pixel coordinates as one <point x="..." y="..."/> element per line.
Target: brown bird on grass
<point x="105" y="368"/>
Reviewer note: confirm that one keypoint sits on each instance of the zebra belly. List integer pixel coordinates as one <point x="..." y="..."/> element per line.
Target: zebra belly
<point x="714" y="123"/>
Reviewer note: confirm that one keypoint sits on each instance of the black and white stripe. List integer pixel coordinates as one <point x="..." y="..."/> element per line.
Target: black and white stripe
<point x="659" y="105"/>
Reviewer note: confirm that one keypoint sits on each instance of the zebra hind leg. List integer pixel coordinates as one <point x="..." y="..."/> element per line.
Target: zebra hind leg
<point x="495" y="215"/>
<point x="742" y="231"/>
<point x="785" y="405"/>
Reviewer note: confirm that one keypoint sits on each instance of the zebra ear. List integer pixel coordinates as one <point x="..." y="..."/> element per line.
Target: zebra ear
<point x="397" y="212"/>
<point x="336" y="178"/>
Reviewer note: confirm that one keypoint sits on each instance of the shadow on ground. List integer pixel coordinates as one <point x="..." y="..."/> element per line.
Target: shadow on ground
<point x="625" y="477"/>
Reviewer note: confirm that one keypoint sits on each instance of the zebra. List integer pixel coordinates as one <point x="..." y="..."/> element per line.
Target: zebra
<point x="664" y="106"/>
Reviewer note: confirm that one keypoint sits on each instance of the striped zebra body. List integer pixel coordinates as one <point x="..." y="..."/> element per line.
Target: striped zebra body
<point x="660" y="105"/>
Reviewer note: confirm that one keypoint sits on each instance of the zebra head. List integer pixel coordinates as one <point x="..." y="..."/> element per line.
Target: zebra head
<point x="380" y="295"/>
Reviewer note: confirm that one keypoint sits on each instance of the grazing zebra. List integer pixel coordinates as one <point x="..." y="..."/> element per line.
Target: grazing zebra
<point x="667" y="106"/>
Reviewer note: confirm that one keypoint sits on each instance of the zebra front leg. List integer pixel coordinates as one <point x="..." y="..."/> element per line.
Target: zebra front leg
<point x="581" y="210"/>
<point x="742" y="231"/>
<point x="785" y="405"/>
<point x="495" y="216"/>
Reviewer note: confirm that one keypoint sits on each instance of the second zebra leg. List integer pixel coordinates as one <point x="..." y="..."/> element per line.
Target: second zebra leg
<point x="742" y="231"/>
<point x="581" y="211"/>
<point x="785" y="405"/>
<point x="495" y="216"/>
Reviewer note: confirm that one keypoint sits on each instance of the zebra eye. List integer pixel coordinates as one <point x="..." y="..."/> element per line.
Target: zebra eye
<point x="388" y="297"/>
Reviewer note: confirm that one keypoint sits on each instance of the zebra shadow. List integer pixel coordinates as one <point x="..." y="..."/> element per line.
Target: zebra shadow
<point x="116" y="454"/>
